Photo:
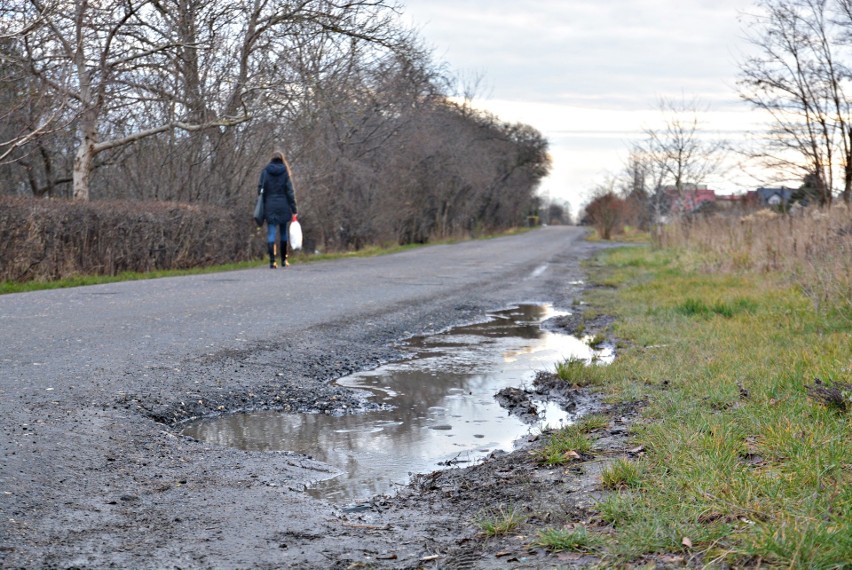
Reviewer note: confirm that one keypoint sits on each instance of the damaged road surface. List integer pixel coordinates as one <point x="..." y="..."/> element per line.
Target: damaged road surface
<point x="95" y="383"/>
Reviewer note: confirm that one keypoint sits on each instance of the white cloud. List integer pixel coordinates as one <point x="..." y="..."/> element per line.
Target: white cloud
<point x="589" y="74"/>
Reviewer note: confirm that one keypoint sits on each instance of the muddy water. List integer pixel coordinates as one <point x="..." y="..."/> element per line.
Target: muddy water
<point x="439" y="405"/>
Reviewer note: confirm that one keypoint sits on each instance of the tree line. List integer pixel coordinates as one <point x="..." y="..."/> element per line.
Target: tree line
<point x="184" y="100"/>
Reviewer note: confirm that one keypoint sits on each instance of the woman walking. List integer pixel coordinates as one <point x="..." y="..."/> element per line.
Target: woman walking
<point x="279" y="204"/>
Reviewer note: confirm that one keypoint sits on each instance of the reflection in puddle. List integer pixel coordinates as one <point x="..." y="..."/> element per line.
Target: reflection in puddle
<point x="441" y="407"/>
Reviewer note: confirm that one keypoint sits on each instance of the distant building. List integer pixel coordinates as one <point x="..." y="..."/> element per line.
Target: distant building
<point x="699" y="199"/>
<point x="731" y="201"/>
<point x="691" y="198"/>
<point x="776" y="197"/>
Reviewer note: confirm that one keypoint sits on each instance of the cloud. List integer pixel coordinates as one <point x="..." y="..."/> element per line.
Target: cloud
<point x="620" y="52"/>
<point x="589" y="74"/>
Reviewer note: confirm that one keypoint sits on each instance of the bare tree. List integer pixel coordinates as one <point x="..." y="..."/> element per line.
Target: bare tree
<point x="800" y="78"/>
<point x="183" y="100"/>
<point x="128" y="70"/>
<point x="679" y="153"/>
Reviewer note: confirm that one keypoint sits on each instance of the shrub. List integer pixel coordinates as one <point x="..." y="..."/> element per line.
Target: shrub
<point x="43" y="240"/>
<point x="606" y="214"/>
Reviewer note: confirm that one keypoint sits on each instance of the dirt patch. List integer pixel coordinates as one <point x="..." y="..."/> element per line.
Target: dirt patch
<point x="457" y="503"/>
<point x="546" y="387"/>
<point x="580" y="324"/>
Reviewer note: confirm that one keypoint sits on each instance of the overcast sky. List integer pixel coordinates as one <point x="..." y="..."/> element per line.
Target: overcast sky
<point x="589" y="74"/>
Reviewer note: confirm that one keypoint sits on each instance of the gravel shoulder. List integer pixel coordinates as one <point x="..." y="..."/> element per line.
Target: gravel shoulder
<point x="95" y="475"/>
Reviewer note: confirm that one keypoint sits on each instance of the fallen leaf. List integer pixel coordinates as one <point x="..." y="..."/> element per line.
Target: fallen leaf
<point x="572" y="454"/>
<point x="686" y="542"/>
<point x="636" y="450"/>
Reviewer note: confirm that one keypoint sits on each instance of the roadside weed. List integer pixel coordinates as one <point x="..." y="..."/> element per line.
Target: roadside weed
<point x="564" y="446"/>
<point x="811" y="544"/>
<point x="617" y="508"/>
<point x="596" y="341"/>
<point x="500" y="521"/>
<point x="592" y="422"/>
<point x="573" y="540"/>
<point x="577" y="372"/>
<point x="572" y="370"/>
<point x="698" y="307"/>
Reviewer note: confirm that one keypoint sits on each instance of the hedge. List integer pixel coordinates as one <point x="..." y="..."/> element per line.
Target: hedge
<point x="46" y="239"/>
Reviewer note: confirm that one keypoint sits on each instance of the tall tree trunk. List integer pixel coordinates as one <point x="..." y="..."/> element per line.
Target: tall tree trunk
<point x="83" y="160"/>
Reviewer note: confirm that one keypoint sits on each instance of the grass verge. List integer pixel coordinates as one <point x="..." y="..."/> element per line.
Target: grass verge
<point x="747" y="455"/>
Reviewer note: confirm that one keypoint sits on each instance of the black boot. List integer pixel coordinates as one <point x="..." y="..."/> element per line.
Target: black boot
<point x="270" y="247"/>
<point x="284" y="262"/>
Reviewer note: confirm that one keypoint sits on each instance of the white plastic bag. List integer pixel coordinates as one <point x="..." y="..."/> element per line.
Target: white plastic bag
<point x="295" y="235"/>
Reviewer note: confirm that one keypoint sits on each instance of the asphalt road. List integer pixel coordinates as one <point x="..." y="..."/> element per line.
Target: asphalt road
<point x="92" y="380"/>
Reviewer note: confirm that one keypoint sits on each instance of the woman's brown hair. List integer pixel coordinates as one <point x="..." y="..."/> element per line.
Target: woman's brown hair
<point x="279" y="155"/>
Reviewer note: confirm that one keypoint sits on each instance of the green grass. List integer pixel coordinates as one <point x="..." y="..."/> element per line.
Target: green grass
<point x="692" y="307"/>
<point x="500" y="521"/>
<point x="596" y="341"/>
<point x="566" y="444"/>
<point x="82" y="280"/>
<point x="742" y="455"/>
<point x="622" y="473"/>
<point x="571" y="540"/>
<point x="576" y="372"/>
<point x="592" y="422"/>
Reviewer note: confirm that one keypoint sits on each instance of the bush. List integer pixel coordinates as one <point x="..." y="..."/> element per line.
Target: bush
<point x="606" y="214"/>
<point x="44" y="240"/>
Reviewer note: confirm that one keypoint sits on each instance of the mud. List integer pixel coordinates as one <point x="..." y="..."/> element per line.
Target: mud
<point x="102" y="478"/>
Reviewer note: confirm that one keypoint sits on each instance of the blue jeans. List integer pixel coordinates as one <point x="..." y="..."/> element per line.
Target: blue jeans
<point x="272" y="229"/>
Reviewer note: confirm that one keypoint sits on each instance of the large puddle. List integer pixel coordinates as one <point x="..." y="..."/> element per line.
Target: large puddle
<point x="439" y="405"/>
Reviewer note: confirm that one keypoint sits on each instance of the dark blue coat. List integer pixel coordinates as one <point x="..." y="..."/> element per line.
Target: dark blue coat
<point x="279" y="198"/>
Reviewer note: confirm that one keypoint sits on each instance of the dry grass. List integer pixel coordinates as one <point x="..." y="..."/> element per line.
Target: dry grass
<point x="813" y="248"/>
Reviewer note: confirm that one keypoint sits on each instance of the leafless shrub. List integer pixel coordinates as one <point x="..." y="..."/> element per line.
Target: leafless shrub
<point x="606" y="213"/>
<point x="51" y="239"/>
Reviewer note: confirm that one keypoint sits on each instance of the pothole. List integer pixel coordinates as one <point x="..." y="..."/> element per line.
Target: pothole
<point x="438" y="407"/>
